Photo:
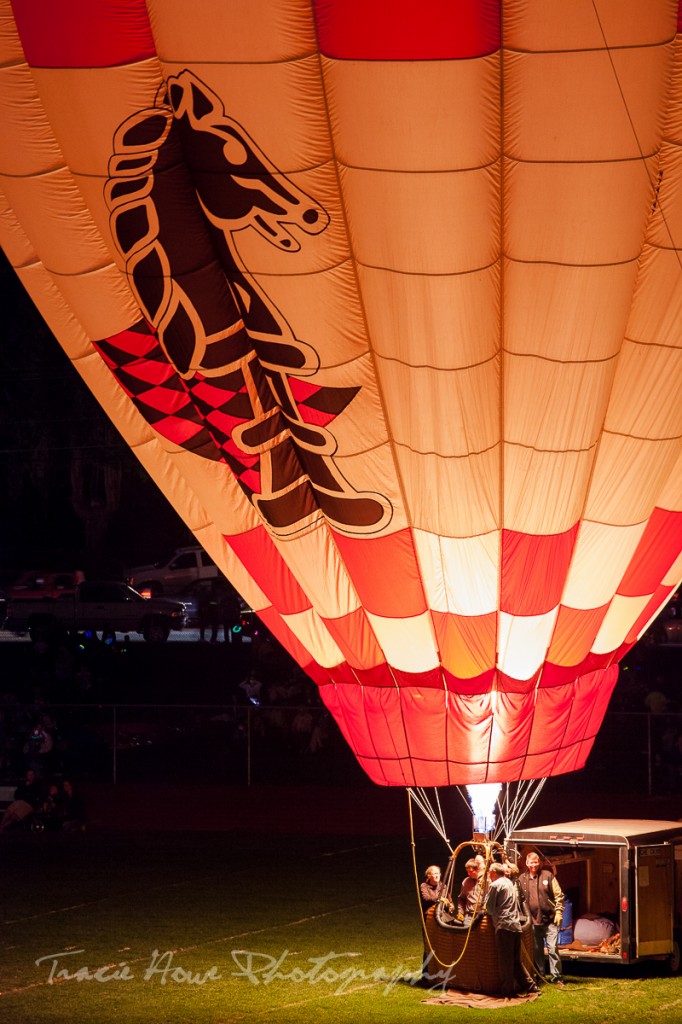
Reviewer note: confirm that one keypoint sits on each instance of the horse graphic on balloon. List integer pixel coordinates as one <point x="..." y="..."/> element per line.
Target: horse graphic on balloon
<point x="240" y="378"/>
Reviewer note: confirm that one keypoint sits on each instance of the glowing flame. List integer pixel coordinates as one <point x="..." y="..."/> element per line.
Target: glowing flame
<point x="483" y="799"/>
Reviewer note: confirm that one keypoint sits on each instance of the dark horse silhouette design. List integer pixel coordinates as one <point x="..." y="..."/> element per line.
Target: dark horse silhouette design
<point x="185" y="179"/>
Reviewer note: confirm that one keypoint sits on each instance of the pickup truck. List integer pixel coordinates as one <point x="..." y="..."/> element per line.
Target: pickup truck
<point x="97" y="605"/>
<point x="175" y="574"/>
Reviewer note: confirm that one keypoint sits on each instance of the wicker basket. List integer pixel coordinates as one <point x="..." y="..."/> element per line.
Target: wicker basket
<point x="474" y="968"/>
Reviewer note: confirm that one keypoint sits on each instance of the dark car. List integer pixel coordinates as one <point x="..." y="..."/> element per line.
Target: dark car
<point x="106" y="605"/>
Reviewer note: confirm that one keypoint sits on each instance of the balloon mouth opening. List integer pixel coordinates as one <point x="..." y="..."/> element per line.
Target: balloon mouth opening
<point x="483" y="801"/>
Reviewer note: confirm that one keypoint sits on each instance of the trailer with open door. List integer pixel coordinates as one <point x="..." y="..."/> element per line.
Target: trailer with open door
<point x="626" y="871"/>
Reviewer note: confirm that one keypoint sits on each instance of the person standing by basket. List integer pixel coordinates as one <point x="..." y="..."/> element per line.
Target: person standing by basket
<point x="545" y="902"/>
<point x="502" y="906"/>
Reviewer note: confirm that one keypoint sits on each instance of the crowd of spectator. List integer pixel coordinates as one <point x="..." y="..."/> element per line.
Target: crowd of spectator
<point x="40" y="805"/>
<point x="70" y="713"/>
<point x="67" y="716"/>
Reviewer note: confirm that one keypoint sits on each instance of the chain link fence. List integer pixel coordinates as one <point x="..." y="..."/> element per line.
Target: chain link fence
<point x="235" y="744"/>
<point x="243" y="744"/>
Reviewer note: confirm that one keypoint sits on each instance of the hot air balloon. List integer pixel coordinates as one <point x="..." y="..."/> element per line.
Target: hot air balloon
<point x="388" y="301"/>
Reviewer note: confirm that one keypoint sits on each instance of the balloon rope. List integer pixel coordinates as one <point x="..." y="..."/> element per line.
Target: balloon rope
<point x="427" y="939"/>
<point x="529" y="963"/>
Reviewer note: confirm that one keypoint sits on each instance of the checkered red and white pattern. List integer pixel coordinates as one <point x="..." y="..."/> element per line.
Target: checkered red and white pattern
<point x="496" y="307"/>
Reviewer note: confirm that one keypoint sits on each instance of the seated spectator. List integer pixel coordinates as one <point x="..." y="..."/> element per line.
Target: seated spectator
<point x="48" y="814"/>
<point x="52" y="801"/>
<point x="28" y="797"/>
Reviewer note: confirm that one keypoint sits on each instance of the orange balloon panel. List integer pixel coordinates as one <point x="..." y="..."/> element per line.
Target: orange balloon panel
<point x="388" y="300"/>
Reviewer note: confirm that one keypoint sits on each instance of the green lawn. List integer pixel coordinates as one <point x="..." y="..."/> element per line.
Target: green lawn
<point x="213" y="928"/>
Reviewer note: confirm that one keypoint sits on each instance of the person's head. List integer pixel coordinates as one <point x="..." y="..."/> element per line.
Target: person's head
<point x="30" y="775"/>
<point x="496" y="870"/>
<point x="512" y="870"/>
<point x="472" y="868"/>
<point x="533" y="864"/>
<point x="67" y="786"/>
<point x="433" y="874"/>
<point x="480" y="861"/>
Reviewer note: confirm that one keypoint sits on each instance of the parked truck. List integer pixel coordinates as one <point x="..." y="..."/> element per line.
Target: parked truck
<point x="175" y="574"/>
<point x="97" y="605"/>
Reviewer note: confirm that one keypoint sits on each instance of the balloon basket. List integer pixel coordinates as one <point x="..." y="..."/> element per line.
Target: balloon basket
<point x="467" y="957"/>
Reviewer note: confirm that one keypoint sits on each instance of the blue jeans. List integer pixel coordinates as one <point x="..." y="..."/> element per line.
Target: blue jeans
<point x="546" y="935"/>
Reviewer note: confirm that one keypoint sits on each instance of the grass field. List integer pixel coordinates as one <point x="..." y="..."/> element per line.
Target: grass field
<point x="214" y="927"/>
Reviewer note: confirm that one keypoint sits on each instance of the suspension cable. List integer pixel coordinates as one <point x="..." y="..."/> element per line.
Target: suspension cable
<point x="454" y="853"/>
<point x="422" y="801"/>
<point x="513" y="804"/>
<point x="527" y="792"/>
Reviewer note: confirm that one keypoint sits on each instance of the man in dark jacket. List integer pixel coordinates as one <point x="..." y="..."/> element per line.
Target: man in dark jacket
<point x="502" y="906"/>
<point x="545" y="903"/>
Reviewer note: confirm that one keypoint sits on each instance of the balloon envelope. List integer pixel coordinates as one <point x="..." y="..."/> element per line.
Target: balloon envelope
<point x="388" y="301"/>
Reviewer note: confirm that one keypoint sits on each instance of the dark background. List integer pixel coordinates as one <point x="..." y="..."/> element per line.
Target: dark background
<point x="72" y="494"/>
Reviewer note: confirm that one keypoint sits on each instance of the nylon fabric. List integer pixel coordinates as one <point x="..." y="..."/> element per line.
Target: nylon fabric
<point x="387" y="300"/>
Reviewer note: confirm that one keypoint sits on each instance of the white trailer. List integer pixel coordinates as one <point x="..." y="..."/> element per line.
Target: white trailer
<point x="627" y="870"/>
